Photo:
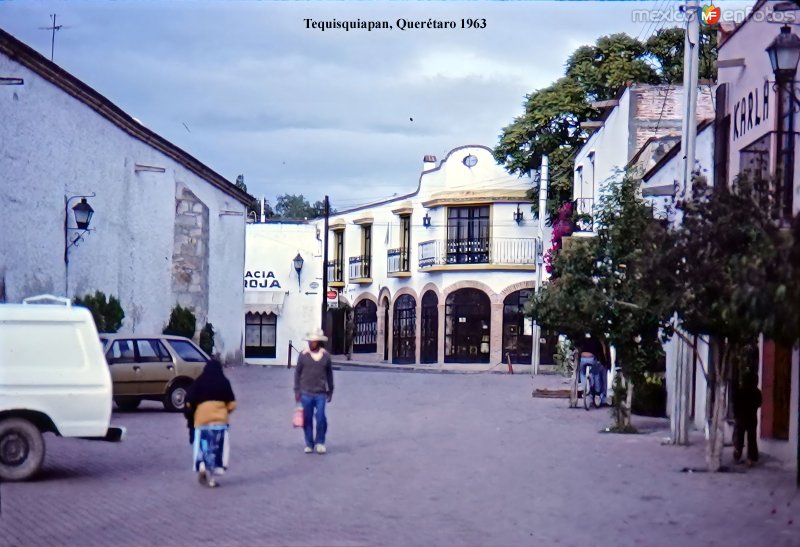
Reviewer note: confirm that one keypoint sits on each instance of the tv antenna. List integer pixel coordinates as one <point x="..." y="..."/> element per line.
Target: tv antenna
<point x="53" y="28"/>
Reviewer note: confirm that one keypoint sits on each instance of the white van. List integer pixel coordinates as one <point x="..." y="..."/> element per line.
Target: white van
<point x="53" y="378"/>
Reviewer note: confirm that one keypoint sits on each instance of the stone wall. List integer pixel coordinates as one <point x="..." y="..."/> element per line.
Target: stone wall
<point x="190" y="254"/>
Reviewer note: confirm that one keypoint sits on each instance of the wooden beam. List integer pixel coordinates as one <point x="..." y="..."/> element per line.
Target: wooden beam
<point x="591" y="124"/>
<point x="605" y="104"/>
<point x="730" y="63"/>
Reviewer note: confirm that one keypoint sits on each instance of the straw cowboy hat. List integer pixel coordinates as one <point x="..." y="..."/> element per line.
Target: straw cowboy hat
<point x="316" y="335"/>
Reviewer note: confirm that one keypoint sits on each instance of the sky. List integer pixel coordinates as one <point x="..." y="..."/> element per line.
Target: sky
<point x="247" y="88"/>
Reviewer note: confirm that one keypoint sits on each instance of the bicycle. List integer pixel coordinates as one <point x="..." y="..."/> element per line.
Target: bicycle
<point x="590" y="391"/>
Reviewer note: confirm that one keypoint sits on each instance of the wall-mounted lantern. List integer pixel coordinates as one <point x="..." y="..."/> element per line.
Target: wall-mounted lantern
<point x="518" y="216"/>
<point x="426" y="220"/>
<point x="298" y="266"/>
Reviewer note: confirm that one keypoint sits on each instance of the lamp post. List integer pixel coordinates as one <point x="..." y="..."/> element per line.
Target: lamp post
<point x="83" y="213"/>
<point x="784" y="55"/>
<point x="298" y="265"/>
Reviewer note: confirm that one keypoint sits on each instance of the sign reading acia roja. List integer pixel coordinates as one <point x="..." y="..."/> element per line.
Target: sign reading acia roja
<point x="260" y="279"/>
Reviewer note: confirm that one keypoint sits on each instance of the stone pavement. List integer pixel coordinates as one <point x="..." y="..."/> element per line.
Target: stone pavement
<point x="415" y="459"/>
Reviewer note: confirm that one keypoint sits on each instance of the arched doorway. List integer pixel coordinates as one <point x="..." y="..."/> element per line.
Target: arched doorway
<point x="429" y="343"/>
<point x="468" y="315"/>
<point x="365" y="323"/>
<point x="517" y="335"/>
<point x="404" y="330"/>
<point x="385" y="307"/>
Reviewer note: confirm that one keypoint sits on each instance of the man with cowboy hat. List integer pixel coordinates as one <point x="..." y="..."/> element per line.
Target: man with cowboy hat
<point x="313" y="387"/>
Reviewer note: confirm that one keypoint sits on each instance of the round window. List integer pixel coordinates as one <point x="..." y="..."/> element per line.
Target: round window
<point x="470" y="161"/>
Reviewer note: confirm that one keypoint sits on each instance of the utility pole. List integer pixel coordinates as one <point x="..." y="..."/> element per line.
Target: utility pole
<point x="544" y="181"/>
<point x="691" y="57"/>
<point x="326" y="212"/>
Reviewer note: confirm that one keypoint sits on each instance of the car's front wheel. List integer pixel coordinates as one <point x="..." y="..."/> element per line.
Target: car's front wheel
<point x="21" y="449"/>
<point x="175" y="399"/>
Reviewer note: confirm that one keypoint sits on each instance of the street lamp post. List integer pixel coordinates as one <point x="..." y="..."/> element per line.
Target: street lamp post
<point x="784" y="55"/>
<point x="83" y="213"/>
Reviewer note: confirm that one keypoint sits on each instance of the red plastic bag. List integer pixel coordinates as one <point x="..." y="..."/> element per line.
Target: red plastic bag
<point x="297" y="419"/>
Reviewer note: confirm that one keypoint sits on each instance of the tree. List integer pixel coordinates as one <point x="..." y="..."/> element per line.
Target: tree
<point x="296" y="206"/>
<point x="617" y="286"/>
<point x="737" y="272"/>
<point x="550" y="124"/>
<point x="182" y="322"/>
<point x="255" y="205"/>
<point x="106" y="312"/>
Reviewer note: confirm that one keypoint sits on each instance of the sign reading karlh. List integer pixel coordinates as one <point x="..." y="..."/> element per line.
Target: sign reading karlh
<point x="261" y="280"/>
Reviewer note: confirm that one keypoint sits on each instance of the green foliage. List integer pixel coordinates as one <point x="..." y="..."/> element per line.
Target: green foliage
<point x="207" y="339"/>
<point x="732" y="264"/>
<point x="616" y="285"/>
<point x="550" y="124"/>
<point x="563" y="358"/>
<point x="650" y="397"/>
<point x="182" y="322"/>
<point x="255" y="205"/>
<point x="107" y="313"/>
<point x="738" y="273"/>
<point x="296" y="206"/>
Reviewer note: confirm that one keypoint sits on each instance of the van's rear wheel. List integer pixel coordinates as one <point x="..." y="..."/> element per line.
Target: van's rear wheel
<point x="175" y="400"/>
<point x="127" y="404"/>
<point x="21" y="449"/>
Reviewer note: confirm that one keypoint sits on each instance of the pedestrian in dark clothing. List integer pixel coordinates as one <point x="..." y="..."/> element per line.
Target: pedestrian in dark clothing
<point x="210" y="401"/>
<point x="745" y="410"/>
<point x="313" y="387"/>
<point x="349" y="333"/>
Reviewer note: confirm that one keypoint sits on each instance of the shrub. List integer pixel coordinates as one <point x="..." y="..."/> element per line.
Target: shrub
<point x="107" y="313"/>
<point x="207" y="339"/>
<point x="563" y="357"/>
<point x="182" y="322"/>
<point x="650" y="397"/>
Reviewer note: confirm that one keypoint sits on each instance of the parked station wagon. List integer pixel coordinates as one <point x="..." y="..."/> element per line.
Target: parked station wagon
<point x="156" y="368"/>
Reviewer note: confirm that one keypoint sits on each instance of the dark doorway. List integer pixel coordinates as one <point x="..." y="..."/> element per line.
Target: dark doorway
<point x="365" y="337"/>
<point x="517" y="333"/>
<point x="336" y="325"/>
<point x="385" y="329"/>
<point x="467" y="326"/>
<point x="404" y="331"/>
<point x="429" y="350"/>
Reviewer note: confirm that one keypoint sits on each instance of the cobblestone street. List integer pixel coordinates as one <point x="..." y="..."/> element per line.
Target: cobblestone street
<point x="415" y="459"/>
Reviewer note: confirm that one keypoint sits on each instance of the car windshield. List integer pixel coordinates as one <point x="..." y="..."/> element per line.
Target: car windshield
<point x="188" y="351"/>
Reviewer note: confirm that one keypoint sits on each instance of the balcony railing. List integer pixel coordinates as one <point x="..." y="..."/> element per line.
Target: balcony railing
<point x="583" y="211"/>
<point x="335" y="271"/>
<point x="398" y="261"/>
<point x="360" y="267"/>
<point x="493" y="251"/>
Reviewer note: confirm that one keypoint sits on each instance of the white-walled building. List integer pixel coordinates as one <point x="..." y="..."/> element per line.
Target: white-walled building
<point x="281" y="304"/>
<point x="438" y="275"/>
<point x="642" y="117"/>
<point x="166" y="229"/>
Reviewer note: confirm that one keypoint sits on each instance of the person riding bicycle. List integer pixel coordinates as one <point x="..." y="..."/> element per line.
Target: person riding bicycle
<point x="593" y="357"/>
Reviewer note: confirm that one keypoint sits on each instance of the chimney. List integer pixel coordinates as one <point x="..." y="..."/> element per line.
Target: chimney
<point x="428" y="162"/>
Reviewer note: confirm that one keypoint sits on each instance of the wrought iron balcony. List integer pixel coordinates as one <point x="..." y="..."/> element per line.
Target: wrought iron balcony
<point x="490" y="251"/>
<point x="360" y="267"/>
<point x="335" y="271"/>
<point x="583" y="214"/>
<point x="398" y="261"/>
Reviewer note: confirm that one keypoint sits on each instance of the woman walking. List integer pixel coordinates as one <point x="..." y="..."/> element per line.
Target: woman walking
<point x="313" y="387"/>
<point x="209" y="402"/>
